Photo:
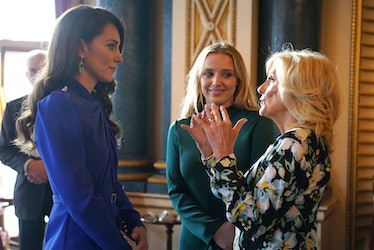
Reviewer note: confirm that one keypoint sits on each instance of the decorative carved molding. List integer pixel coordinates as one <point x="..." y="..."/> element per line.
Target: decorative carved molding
<point x="361" y="118"/>
<point x="208" y="21"/>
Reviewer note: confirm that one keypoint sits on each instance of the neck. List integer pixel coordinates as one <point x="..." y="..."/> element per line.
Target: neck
<point x="288" y="122"/>
<point x="86" y="81"/>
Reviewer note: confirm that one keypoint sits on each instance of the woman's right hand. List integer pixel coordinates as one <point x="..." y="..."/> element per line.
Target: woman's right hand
<point x="197" y="133"/>
<point x="140" y="236"/>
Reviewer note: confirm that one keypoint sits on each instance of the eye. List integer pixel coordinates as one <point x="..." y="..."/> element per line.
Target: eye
<point x="271" y="78"/>
<point x="227" y="74"/>
<point x="208" y="73"/>
<point x="112" y="46"/>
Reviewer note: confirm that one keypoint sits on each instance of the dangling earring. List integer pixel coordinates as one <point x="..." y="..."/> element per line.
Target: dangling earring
<point x="81" y="65"/>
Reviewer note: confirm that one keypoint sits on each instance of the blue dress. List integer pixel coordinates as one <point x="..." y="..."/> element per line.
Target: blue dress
<point x="79" y="150"/>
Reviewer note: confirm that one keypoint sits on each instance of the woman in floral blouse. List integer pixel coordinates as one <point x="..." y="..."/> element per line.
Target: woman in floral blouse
<point x="275" y="203"/>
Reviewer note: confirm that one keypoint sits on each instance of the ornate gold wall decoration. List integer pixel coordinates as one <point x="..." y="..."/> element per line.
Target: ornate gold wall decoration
<point x="208" y="21"/>
<point x="360" y="199"/>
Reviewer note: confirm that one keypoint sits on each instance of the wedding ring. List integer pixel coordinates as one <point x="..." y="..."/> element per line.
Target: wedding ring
<point x="212" y="120"/>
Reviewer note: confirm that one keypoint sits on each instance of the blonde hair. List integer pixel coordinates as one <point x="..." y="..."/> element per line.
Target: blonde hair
<point x="308" y="88"/>
<point x="245" y="94"/>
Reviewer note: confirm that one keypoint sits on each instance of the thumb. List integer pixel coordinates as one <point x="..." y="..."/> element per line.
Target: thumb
<point x="238" y="125"/>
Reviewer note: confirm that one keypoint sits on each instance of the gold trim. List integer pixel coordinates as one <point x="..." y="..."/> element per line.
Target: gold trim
<point x="133" y="177"/>
<point x="353" y="117"/>
<point x="134" y="163"/>
<point x="157" y="180"/>
<point x="161" y="165"/>
<point x="359" y="103"/>
<point x="150" y="201"/>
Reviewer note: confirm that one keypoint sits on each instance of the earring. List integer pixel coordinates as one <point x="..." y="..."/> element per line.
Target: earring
<point x="81" y="65"/>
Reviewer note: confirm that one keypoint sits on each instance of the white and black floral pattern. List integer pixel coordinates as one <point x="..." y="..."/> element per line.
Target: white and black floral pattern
<point x="275" y="203"/>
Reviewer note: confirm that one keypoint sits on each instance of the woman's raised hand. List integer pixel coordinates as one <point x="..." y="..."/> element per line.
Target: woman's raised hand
<point x="212" y="129"/>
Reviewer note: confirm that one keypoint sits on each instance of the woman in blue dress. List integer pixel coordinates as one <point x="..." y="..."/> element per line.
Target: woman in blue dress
<point x="67" y="123"/>
<point x="275" y="203"/>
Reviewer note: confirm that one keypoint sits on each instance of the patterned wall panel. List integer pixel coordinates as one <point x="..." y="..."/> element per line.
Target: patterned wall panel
<point x="208" y="21"/>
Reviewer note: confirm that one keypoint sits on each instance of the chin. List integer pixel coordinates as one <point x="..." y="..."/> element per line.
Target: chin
<point x="261" y="112"/>
<point x="108" y="80"/>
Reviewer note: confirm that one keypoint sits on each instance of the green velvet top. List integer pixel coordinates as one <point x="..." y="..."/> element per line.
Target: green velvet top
<point x="188" y="184"/>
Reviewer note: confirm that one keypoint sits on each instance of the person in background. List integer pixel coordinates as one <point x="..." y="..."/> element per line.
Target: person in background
<point x="275" y="203"/>
<point x="218" y="76"/>
<point x="32" y="192"/>
<point x="67" y="121"/>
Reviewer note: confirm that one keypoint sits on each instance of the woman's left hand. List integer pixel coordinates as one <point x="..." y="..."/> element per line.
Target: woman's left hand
<point x="140" y="236"/>
<point x="218" y="131"/>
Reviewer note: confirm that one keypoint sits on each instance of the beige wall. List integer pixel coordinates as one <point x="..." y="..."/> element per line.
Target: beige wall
<point x="336" y="39"/>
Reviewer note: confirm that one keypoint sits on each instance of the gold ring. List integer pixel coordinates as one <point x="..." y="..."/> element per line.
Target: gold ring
<point x="212" y="120"/>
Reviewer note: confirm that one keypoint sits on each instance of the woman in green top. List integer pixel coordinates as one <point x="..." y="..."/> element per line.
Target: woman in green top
<point x="218" y="76"/>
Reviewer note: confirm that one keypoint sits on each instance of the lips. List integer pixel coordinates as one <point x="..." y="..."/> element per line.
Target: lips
<point x="217" y="90"/>
<point x="261" y="101"/>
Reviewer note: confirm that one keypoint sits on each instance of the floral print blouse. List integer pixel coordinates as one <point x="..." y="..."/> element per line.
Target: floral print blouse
<point x="275" y="203"/>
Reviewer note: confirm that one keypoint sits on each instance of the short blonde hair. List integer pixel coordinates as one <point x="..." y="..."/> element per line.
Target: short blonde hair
<point x="308" y="88"/>
<point x="245" y="94"/>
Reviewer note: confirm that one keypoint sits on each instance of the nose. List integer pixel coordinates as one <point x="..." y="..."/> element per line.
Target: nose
<point x="261" y="89"/>
<point x="216" y="79"/>
<point x="118" y="57"/>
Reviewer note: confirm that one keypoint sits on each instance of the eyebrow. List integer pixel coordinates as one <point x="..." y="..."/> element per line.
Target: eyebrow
<point x="112" y="40"/>
<point x="219" y="70"/>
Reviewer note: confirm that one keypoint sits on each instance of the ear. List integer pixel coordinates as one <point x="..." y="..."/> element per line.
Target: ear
<point x="83" y="49"/>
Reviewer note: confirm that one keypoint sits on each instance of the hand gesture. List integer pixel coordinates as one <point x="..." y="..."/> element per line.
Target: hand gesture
<point x="198" y="134"/>
<point x="214" y="131"/>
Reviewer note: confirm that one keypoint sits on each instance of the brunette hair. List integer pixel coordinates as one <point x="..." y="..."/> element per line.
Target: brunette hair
<point x="80" y="23"/>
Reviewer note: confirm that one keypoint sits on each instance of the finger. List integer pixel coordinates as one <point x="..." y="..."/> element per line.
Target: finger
<point x="238" y="125"/>
<point x="194" y="120"/>
<point x="203" y="116"/>
<point x="186" y="127"/>
<point x="224" y="113"/>
<point x="44" y="179"/>
<point x="32" y="180"/>
<point x="135" y="235"/>
<point x="207" y="112"/>
<point x="199" y="122"/>
<point x="215" y="112"/>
